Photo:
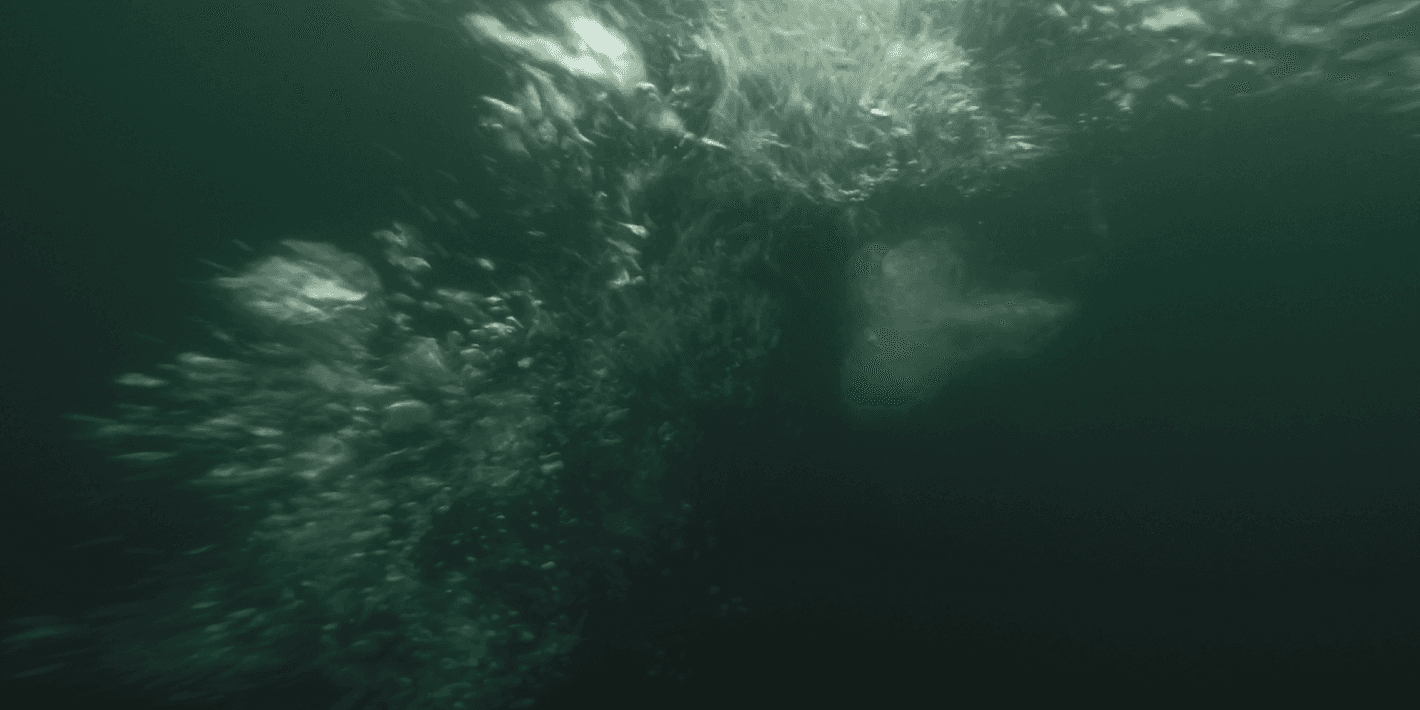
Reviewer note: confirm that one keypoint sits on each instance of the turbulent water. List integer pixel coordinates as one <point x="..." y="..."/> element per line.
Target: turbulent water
<point x="763" y="345"/>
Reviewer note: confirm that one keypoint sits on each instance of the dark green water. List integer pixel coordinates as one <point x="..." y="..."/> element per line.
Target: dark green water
<point x="1205" y="483"/>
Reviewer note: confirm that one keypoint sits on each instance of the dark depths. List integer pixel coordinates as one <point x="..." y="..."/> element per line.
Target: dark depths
<point x="1200" y="489"/>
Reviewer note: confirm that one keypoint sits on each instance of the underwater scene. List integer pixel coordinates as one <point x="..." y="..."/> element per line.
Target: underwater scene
<point x="461" y="354"/>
